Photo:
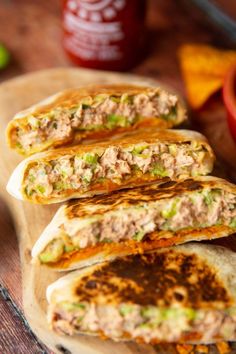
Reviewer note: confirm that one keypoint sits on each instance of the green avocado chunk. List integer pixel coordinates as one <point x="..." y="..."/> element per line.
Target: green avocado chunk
<point x="53" y="251"/>
<point x="159" y="170"/>
<point x="114" y="120"/>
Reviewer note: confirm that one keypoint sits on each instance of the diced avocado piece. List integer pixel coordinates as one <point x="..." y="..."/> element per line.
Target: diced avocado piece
<point x="90" y="158"/>
<point x="34" y="122"/>
<point x="29" y="191"/>
<point x="60" y="185"/>
<point x="159" y="170"/>
<point x="126" y="309"/>
<point x="231" y="311"/>
<point x="114" y="120"/>
<point x="175" y="313"/>
<point x="101" y="179"/>
<point x="169" y="213"/>
<point x="208" y="198"/>
<point x="233" y="223"/>
<point x="149" y="311"/>
<point x="69" y="248"/>
<point x="126" y="99"/>
<point x="138" y="236"/>
<point x="86" y="179"/>
<point x="138" y="150"/>
<point x="92" y="127"/>
<point x="18" y="145"/>
<point x="101" y="97"/>
<point x="53" y="251"/>
<point x="190" y="313"/>
<point x="173" y="150"/>
<point x="107" y="240"/>
<point x="171" y="115"/>
<point x="68" y="306"/>
<point x="31" y="178"/>
<point x="146" y="325"/>
<point x="40" y="188"/>
<point x="115" y="99"/>
<point x="85" y="106"/>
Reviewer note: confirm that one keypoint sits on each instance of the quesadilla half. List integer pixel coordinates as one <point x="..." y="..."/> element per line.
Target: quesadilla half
<point x="97" y="229"/>
<point x="129" y="161"/>
<point x="92" y="113"/>
<point x="181" y="294"/>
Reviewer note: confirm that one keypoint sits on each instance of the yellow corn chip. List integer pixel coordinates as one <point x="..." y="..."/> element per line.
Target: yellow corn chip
<point x="203" y="68"/>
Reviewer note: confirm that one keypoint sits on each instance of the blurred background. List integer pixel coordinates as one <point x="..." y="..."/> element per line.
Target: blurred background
<point x="32" y="33"/>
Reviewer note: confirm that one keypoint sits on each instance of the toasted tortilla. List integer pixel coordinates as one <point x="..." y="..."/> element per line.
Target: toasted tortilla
<point x="74" y="98"/>
<point x="197" y="278"/>
<point x="76" y="215"/>
<point x="17" y="184"/>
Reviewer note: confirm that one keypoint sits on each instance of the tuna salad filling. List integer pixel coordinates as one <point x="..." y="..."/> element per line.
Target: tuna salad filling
<point x="118" y="165"/>
<point x="149" y="323"/>
<point x="104" y="112"/>
<point x="199" y="209"/>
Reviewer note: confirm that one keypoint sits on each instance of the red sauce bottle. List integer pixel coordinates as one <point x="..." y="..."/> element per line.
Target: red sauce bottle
<point x="104" y="34"/>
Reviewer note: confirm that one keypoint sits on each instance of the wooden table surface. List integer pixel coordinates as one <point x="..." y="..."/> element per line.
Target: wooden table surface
<point x="32" y="30"/>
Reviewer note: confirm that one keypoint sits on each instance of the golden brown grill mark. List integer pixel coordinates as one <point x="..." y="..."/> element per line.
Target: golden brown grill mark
<point x="129" y="197"/>
<point x="166" y="275"/>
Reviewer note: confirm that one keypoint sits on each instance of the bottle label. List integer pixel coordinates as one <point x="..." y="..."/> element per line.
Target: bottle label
<point x="93" y="33"/>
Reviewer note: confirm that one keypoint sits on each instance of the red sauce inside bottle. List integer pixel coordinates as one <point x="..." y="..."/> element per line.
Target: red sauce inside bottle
<point x="104" y="34"/>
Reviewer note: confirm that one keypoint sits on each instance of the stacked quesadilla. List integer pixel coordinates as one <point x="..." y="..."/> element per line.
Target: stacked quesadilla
<point x="140" y="189"/>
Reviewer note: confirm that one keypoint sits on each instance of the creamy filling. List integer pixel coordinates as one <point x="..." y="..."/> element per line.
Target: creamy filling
<point x="103" y="113"/>
<point x="149" y="323"/>
<point x="116" y="164"/>
<point x="193" y="210"/>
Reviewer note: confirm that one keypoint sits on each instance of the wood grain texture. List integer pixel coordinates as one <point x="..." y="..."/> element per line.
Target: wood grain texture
<point x="31" y="219"/>
<point x="11" y="318"/>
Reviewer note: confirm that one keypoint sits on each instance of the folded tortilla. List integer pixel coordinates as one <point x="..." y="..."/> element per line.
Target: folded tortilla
<point x="102" y="228"/>
<point x="184" y="294"/>
<point x="129" y="161"/>
<point x="92" y="113"/>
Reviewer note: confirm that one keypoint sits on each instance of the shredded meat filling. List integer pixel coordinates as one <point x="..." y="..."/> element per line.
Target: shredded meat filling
<point x="116" y="323"/>
<point x="192" y="210"/>
<point x="116" y="164"/>
<point x="106" y="113"/>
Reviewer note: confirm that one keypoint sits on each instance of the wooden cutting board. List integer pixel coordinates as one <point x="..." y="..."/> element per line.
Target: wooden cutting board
<point x="30" y="220"/>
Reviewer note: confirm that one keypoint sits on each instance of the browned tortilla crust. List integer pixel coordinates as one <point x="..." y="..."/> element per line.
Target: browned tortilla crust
<point x="143" y="194"/>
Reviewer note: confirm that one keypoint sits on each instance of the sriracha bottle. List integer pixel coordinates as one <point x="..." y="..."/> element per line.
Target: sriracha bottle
<point x="104" y="34"/>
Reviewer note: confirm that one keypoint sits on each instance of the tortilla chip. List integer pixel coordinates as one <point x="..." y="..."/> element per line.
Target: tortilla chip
<point x="203" y="68"/>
